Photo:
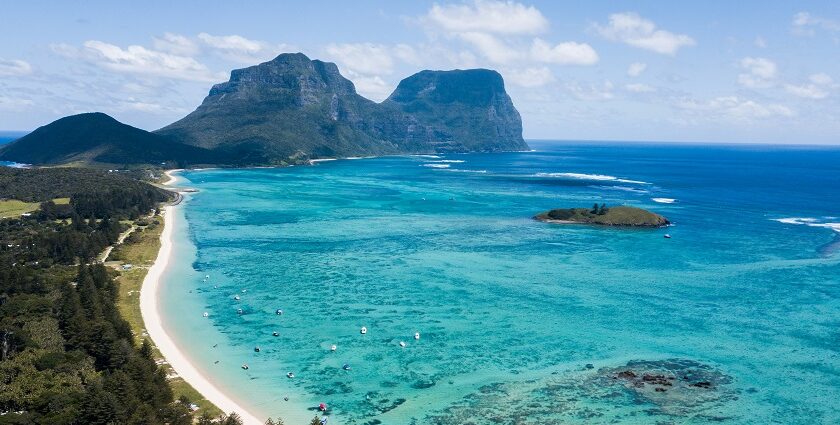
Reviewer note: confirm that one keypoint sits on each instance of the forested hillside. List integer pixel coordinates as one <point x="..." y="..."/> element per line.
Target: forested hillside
<point x="66" y="355"/>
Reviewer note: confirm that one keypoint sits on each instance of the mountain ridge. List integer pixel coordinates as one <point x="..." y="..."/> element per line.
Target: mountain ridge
<point x="293" y="109"/>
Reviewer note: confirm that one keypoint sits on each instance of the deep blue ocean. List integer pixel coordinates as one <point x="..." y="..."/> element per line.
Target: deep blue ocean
<point x="520" y="322"/>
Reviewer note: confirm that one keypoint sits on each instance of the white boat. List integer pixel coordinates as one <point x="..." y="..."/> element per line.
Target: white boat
<point x="363" y="330"/>
<point x="416" y="335"/>
<point x="333" y="347"/>
<point x="402" y="344"/>
<point x="245" y="366"/>
<point x="279" y="312"/>
<point x="236" y="298"/>
<point x="206" y="314"/>
<point x="275" y="333"/>
<point x="290" y="375"/>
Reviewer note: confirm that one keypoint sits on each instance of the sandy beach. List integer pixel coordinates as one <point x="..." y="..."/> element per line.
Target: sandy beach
<point x="155" y="324"/>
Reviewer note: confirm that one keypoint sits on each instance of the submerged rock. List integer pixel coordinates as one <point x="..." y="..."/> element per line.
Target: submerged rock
<point x="674" y="385"/>
<point x="639" y="391"/>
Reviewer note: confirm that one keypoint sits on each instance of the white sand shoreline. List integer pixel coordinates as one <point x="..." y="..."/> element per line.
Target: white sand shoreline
<point x="149" y="294"/>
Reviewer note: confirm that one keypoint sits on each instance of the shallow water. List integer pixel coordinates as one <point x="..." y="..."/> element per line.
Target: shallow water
<point x="520" y="321"/>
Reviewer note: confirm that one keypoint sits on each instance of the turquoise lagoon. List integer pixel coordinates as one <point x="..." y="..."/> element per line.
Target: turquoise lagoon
<point x="520" y="321"/>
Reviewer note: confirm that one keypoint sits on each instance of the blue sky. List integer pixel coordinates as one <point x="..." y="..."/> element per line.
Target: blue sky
<point x="747" y="71"/>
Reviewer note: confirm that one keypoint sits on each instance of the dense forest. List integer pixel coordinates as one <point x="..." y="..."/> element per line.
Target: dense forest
<point x="66" y="354"/>
<point x="42" y="184"/>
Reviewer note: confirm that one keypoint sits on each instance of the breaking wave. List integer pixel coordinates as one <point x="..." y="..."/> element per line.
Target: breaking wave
<point x="594" y="177"/>
<point x="807" y="221"/>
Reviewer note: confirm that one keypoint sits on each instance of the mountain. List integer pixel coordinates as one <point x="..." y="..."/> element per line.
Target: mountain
<point x="293" y="108"/>
<point x="97" y="139"/>
<point x="286" y="108"/>
<point x="460" y="111"/>
<point x="289" y="110"/>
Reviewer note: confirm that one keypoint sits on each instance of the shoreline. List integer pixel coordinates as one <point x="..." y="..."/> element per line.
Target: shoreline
<point x="153" y="321"/>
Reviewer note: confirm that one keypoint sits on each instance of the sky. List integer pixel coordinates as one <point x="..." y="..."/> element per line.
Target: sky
<point x="700" y="71"/>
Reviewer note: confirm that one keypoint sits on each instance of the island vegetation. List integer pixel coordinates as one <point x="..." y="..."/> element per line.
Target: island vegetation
<point x="621" y="216"/>
<point x="67" y="353"/>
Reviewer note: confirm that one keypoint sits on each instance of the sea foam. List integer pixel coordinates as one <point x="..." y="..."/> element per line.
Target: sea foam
<point x="435" y="165"/>
<point x="808" y="221"/>
<point x="595" y="177"/>
<point x="624" y="188"/>
<point x="664" y="200"/>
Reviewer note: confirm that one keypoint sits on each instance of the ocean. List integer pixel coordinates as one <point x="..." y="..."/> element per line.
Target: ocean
<point x="519" y="321"/>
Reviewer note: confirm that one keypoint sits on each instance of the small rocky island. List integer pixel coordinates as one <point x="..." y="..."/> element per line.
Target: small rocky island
<point x="622" y="216"/>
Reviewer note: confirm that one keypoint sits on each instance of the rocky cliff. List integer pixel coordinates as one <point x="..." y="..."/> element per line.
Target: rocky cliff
<point x="294" y="108"/>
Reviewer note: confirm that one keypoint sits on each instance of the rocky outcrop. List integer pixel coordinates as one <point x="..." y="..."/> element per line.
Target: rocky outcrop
<point x="293" y="108"/>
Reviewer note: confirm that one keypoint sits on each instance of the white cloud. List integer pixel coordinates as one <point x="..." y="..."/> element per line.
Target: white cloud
<point x="240" y="49"/>
<point x="406" y="53"/>
<point x="636" y="68"/>
<point x="591" y="91"/>
<point x="821" y="78"/>
<point x="819" y="87"/>
<point x="14" y="104"/>
<point x="175" y="44"/>
<point x="491" y="47"/>
<point x="488" y="16"/>
<point x="639" y="88"/>
<point x="372" y="87"/>
<point x="806" y="24"/>
<point x="760" y="72"/>
<point x="363" y="58"/>
<point x="132" y="104"/>
<point x="737" y="108"/>
<point x="530" y="77"/>
<point x="807" y="91"/>
<point x="501" y="32"/>
<point x="14" y="67"/>
<point x="633" y="30"/>
<point x="140" y="60"/>
<point x="760" y="42"/>
<point x="566" y="53"/>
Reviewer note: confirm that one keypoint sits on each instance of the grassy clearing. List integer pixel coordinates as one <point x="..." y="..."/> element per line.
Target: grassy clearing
<point x="14" y="208"/>
<point x="140" y="250"/>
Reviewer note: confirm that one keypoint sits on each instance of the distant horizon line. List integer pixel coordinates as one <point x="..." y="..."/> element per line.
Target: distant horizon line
<point x="21" y="133"/>
<point x="685" y="142"/>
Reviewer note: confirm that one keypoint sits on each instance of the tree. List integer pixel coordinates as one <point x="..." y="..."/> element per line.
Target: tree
<point x="603" y="209"/>
<point x="205" y="419"/>
<point x="594" y="209"/>
<point x="315" y="421"/>
<point x="231" y="419"/>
